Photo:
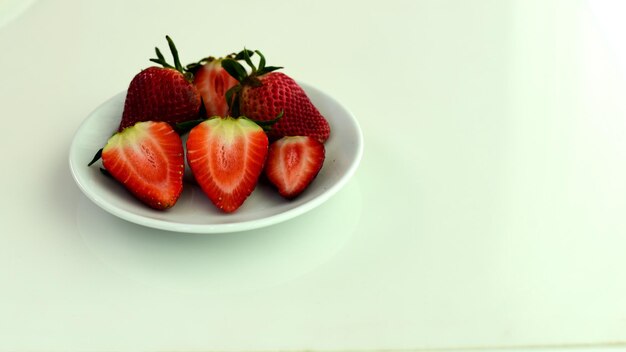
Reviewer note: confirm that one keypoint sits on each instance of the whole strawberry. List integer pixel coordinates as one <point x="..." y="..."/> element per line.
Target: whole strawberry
<point x="263" y="94"/>
<point x="161" y="93"/>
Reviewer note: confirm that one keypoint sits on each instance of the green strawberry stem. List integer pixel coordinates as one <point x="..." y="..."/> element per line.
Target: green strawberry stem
<point x="177" y="65"/>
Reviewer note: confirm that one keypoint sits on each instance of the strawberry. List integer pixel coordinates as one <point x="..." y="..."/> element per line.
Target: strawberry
<point x="263" y="94"/>
<point x="212" y="81"/>
<point x="226" y="156"/>
<point x="147" y="159"/>
<point x="293" y="163"/>
<point x="161" y="93"/>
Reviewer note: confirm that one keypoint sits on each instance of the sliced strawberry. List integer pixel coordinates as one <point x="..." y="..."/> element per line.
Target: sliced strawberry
<point x="226" y="156"/>
<point x="212" y="81"/>
<point x="147" y="159"/>
<point x="293" y="163"/>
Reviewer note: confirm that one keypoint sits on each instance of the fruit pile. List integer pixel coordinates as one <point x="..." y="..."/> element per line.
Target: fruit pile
<point x="242" y="123"/>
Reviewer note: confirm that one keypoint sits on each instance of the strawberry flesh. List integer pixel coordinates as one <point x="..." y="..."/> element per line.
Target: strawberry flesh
<point x="212" y="81"/>
<point x="147" y="159"/>
<point x="226" y="156"/>
<point x="160" y="94"/>
<point x="293" y="163"/>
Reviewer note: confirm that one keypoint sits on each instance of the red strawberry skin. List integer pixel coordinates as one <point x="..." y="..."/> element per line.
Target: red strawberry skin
<point x="279" y="92"/>
<point x="293" y="163"/>
<point x="147" y="159"/>
<point x="212" y="82"/>
<point x="226" y="157"/>
<point x="160" y="94"/>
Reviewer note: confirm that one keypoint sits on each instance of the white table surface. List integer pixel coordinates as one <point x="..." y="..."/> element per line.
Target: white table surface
<point x="488" y="210"/>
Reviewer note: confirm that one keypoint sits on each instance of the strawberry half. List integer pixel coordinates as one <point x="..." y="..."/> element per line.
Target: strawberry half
<point x="147" y="159"/>
<point x="226" y="156"/>
<point x="161" y="93"/>
<point x="293" y="163"/>
<point x="212" y="82"/>
<point x="263" y="94"/>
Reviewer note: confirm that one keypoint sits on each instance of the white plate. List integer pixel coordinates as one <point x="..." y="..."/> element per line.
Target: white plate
<point x="194" y="212"/>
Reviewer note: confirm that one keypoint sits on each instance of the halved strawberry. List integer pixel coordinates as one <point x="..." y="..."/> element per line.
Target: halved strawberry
<point x="147" y="159"/>
<point x="212" y="81"/>
<point x="293" y="162"/>
<point x="226" y="156"/>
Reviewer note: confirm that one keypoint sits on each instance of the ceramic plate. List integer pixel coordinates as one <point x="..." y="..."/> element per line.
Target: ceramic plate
<point x="194" y="212"/>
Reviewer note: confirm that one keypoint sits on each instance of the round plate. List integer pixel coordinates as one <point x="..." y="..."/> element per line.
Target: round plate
<point x="194" y="212"/>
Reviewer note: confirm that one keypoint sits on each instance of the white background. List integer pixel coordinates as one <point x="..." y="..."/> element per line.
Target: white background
<point x="488" y="210"/>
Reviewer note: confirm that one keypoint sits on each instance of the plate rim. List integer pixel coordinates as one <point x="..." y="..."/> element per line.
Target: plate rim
<point x="220" y="227"/>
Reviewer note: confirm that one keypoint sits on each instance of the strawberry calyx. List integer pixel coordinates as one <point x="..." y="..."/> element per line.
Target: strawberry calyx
<point x="245" y="78"/>
<point x="160" y="59"/>
<point x="195" y="66"/>
<point x="183" y="127"/>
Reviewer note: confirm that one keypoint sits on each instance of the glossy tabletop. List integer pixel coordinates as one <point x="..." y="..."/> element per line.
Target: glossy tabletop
<point x="488" y="209"/>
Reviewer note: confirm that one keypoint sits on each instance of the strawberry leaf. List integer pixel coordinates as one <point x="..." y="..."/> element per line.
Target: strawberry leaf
<point x="195" y="66"/>
<point x="177" y="64"/>
<point x="232" y="98"/>
<point x="240" y="55"/>
<point x="235" y="69"/>
<point x="184" y="127"/>
<point x="160" y="59"/>
<point x="186" y="71"/>
<point x="105" y="172"/>
<point x="268" y="69"/>
<point x="96" y="157"/>
<point x="247" y="58"/>
<point x="261" y="60"/>
<point x="267" y="125"/>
